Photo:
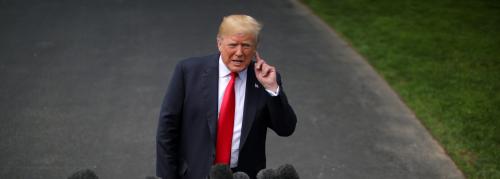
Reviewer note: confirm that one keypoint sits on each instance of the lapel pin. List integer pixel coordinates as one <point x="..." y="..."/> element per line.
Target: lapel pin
<point x="256" y="85"/>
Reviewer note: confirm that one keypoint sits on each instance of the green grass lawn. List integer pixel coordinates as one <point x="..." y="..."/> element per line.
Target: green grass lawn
<point x="443" y="58"/>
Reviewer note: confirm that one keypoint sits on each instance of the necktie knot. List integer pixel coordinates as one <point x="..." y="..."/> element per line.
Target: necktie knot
<point x="234" y="75"/>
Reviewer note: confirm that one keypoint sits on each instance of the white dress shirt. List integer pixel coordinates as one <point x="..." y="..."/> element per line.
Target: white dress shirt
<point x="239" y="88"/>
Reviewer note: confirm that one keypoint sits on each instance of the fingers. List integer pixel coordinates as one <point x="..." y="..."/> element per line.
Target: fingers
<point x="258" y="65"/>
<point x="260" y="61"/>
<point x="261" y="67"/>
<point x="266" y="70"/>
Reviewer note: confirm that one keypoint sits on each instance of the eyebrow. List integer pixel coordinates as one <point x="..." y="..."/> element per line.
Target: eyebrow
<point x="243" y="43"/>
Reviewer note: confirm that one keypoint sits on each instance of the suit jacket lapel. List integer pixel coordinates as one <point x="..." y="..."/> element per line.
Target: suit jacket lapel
<point x="210" y="80"/>
<point x="251" y="100"/>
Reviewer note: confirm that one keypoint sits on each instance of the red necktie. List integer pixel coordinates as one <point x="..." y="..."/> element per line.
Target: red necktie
<point x="225" y="124"/>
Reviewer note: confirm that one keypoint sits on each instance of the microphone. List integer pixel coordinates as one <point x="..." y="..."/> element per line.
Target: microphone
<point x="287" y="171"/>
<point x="152" y="177"/>
<point x="240" y="175"/>
<point x="221" y="171"/>
<point x="84" y="174"/>
<point x="266" y="173"/>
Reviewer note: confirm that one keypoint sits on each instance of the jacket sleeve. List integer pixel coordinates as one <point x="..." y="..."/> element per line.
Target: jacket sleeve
<point x="168" y="132"/>
<point x="282" y="118"/>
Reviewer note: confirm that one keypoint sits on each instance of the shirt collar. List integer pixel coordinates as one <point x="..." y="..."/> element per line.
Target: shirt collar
<point x="224" y="71"/>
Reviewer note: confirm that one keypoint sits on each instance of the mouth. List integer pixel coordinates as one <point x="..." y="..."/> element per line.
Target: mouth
<point x="237" y="62"/>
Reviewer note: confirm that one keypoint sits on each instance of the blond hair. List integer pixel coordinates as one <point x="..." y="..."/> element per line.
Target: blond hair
<point x="235" y="24"/>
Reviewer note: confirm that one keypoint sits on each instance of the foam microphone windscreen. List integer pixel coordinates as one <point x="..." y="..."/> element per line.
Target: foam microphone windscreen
<point x="287" y="171"/>
<point x="266" y="173"/>
<point x="152" y="177"/>
<point x="84" y="174"/>
<point x="220" y="171"/>
<point x="240" y="175"/>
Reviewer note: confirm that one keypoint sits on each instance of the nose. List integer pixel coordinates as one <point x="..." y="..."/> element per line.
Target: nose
<point x="239" y="51"/>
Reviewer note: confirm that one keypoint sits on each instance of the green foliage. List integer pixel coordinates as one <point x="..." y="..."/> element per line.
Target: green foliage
<point x="443" y="58"/>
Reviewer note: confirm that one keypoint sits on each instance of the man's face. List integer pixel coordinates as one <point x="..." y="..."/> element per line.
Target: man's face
<point x="237" y="50"/>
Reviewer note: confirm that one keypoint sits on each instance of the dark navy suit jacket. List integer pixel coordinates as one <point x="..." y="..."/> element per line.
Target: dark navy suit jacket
<point x="188" y="120"/>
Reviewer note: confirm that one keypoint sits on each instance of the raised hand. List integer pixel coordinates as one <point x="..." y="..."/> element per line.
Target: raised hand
<point x="266" y="74"/>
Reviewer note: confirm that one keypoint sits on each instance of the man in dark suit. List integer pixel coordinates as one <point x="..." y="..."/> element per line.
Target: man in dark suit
<point x="217" y="108"/>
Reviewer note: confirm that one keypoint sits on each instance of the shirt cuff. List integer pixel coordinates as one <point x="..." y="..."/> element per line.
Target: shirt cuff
<point x="272" y="93"/>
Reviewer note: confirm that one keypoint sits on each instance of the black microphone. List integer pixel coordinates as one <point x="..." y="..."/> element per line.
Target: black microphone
<point x="84" y="174"/>
<point x="287" y="171"/>
<point x="266" y="173"/>
<point x="220" y="171"/>
<point x="240" y="175"/>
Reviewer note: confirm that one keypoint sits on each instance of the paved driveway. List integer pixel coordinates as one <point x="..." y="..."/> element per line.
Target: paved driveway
<point x="82" y="81"/>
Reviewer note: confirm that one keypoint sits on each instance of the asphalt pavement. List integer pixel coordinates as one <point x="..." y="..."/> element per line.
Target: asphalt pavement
<point x="82" y="83"/>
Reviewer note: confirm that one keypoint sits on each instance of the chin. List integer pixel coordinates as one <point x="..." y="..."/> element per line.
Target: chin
<point x="237" y="69"/>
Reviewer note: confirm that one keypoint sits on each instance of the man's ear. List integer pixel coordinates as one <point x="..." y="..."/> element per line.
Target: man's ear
<point x="219" y="43"/>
